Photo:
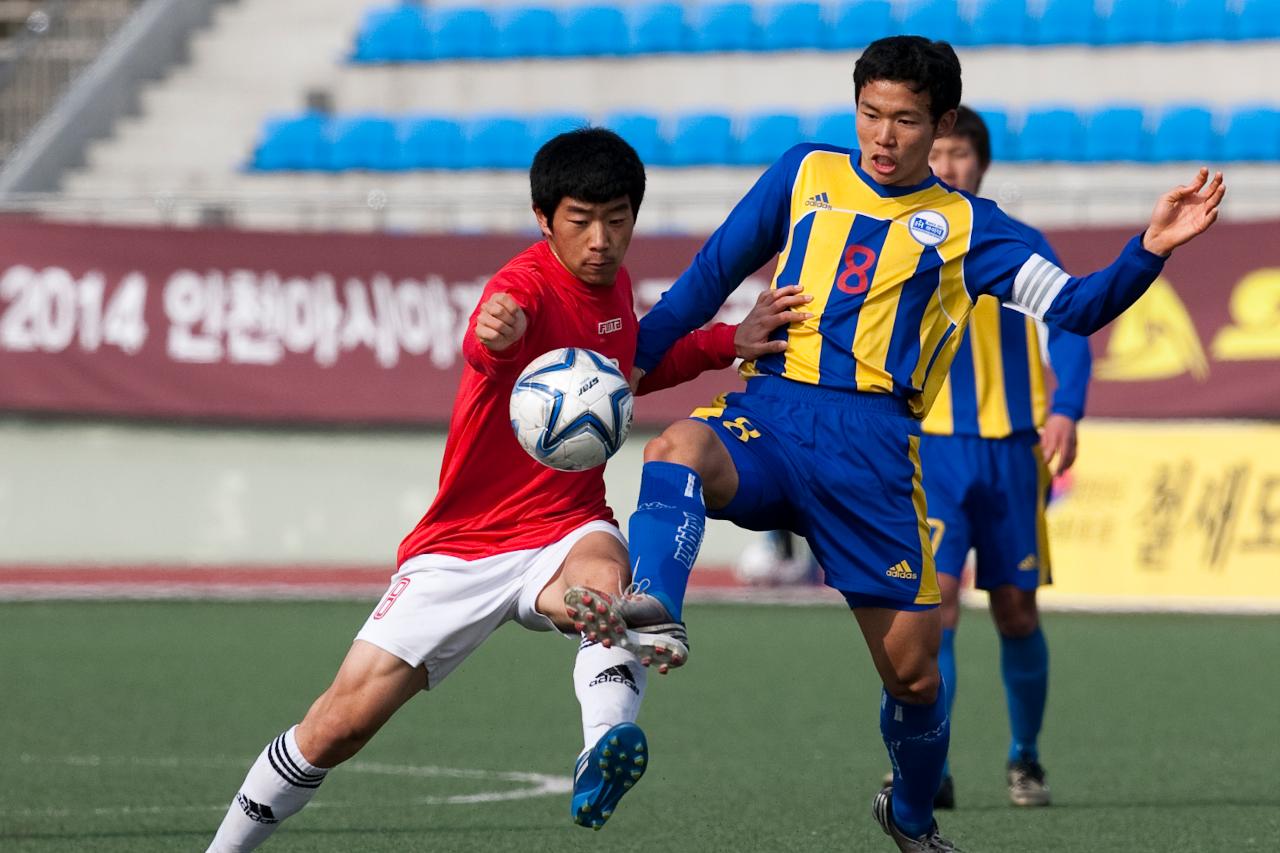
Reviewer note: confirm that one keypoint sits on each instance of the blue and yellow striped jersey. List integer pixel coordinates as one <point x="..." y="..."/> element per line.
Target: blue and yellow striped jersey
<point x="894" y="272"/>
<point x="996" y="385"/>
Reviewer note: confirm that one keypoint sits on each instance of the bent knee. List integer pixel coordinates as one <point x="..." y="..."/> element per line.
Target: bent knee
<point x="915" y="687"/>
<point x="684" y="443"/>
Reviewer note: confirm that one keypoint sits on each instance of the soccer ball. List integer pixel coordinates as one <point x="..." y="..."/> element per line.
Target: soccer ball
<point x="571" y="409"/>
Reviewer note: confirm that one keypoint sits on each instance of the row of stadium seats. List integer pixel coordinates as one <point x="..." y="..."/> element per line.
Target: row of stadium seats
<point x="318" y="142"/>
<point x="412" y="32"/>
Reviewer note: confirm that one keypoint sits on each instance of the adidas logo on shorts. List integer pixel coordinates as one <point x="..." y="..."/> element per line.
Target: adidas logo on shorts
<point x="901" y="570"/>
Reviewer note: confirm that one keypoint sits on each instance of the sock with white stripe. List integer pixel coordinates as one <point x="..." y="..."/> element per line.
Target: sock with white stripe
<point x="610" y="686"/>
<point x="279" y="784"/>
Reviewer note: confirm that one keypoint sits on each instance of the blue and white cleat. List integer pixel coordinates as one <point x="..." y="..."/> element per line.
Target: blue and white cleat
<point x="606" y="772"/>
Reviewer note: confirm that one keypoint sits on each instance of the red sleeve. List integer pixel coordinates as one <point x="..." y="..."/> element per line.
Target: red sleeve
<point x="699" y="351"/>
<point x="479" y="356"/>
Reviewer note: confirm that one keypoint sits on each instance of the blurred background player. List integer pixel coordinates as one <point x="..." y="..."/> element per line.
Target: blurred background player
<point x="507" y="537"/>
<point x="987" y="473"/>
<point x="824" y="441"/>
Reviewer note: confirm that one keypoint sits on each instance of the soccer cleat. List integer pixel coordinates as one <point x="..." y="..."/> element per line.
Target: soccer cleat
<point x="607" y="771"/>
<point x="944" y="799"/>
<point x="1026" y="783"/>
<point x="930" y="842"/>
<point x="635" y="620"/>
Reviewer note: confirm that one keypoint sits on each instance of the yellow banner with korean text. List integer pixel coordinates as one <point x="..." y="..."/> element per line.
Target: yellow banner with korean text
<point x="1169" y="515"/>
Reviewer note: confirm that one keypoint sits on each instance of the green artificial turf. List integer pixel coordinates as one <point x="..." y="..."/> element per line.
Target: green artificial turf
<point x="128" y="727"/>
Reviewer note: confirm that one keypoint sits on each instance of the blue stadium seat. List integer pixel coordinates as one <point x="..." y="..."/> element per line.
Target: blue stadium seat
<point x="1195" y="20"/>
<point x="997" y="122"/>
<point x="528" y="31"/>
<point x="543" y="127"/>
<point x="1050" y="134"/>
<point x="791" y="26"/>
<point x="1253" y="135"/>
<point x="362" y="142"/>
<point x="291" y="143"/>
<point x="937" y="19"/>
<point x="702" y="139"/>
<point x="1254" y="19"/>
<point x="998" y="22"/>
<point x="1116" y="133"/>
<point x="1132" y="21"/>
<point x="836" y="128"/>
<point x="658" y="28"/>
<point x="393" y="34"/>
<point x="765" y="137"/>
<point x="594" y="31"/>
<point x="724" y="27"/>
<point x="1063" y="22"/>
<point x="857" y="23"/>
<point x="1184" y="133"/>
<point x="644" y="134"/>
<point x="463" y="32"/>
<point x="429" y="142"/>
<point x="497" y="142"/>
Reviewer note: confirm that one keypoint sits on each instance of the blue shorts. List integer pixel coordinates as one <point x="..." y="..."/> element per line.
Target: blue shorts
<point x="989" y="495"/>
<point x="840" y="468"/>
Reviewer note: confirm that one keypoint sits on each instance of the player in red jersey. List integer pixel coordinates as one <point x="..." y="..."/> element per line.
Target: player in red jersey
<point x="507" y="537"/>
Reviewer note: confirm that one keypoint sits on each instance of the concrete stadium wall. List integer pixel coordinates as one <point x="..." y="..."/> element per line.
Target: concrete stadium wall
<point x="138" y="494"/>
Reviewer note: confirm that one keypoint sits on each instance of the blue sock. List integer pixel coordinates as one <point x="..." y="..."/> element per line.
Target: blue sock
<point x="947" y="666"/>
<point x="917" y="738"/>
<point x="1024" y="663"/>
<point x="666" y="531"/>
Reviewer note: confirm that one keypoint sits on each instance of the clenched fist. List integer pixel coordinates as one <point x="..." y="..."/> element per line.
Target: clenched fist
<point x="501" y="322"/>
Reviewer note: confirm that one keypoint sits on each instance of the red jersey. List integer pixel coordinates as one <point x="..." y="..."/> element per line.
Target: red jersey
<point x="494" y="497"/>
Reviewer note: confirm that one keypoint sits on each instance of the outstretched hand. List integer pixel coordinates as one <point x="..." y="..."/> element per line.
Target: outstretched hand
<point x="772" y="309"/>
<point x="501" y="322"/>
<point x="1184" y="212"/>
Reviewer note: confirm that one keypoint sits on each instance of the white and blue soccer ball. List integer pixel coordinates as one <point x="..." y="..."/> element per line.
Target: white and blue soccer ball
<point x="571" y="409"/>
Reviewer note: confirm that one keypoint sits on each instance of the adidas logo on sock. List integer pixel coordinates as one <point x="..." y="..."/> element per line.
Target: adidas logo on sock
<point x="256" y="811"/>
<point x="617" y="674"/>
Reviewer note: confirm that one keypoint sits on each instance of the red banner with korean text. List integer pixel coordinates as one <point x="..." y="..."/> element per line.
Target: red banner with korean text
<point x="356" y="328"/>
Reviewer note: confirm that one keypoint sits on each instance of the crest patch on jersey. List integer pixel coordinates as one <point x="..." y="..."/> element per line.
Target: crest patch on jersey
<point x="928" y="227"/>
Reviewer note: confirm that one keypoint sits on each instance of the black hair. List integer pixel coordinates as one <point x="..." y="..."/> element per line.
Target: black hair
<point x="922" y="64"/>
<point x="591" y="164"/>
<point x="970" y="126"/>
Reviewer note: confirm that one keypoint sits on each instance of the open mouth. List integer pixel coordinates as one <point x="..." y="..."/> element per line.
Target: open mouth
<point x="883" y="165"/>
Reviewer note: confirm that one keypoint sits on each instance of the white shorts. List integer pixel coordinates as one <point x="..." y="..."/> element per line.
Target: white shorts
<point x="439" y="609"/>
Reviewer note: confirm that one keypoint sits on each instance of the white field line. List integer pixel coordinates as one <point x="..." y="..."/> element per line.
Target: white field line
<point x="530" y="785"/>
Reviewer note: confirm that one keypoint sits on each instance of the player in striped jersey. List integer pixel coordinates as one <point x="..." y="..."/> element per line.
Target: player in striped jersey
<point x="825" y="440"/>
<point x="986" y="472"/>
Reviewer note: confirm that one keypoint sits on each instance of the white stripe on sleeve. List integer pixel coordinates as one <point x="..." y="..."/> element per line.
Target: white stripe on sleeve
<point x="1036" y="285"/>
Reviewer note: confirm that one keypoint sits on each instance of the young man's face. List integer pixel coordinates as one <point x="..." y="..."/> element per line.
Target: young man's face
<point x="955" y="162"/>
<point x="590" y="238"/>
<point x="896" y="132"/>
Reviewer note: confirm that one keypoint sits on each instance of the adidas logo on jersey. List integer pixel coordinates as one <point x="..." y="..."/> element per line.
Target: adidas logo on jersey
<point x="617" y="674"/>
<point x="256" y="811"/>
<point x="820" y="200"/>
<point x="1029" y="563"/>
<point x="901" y="570"/>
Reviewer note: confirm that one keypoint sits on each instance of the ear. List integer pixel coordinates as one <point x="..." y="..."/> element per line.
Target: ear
<point x="945" y="125"/>
<point x="544" y="224"/>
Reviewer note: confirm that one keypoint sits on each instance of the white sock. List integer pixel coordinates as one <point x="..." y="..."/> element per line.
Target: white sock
<point x="279" y="784"/>
<point x="610" y="686"/>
